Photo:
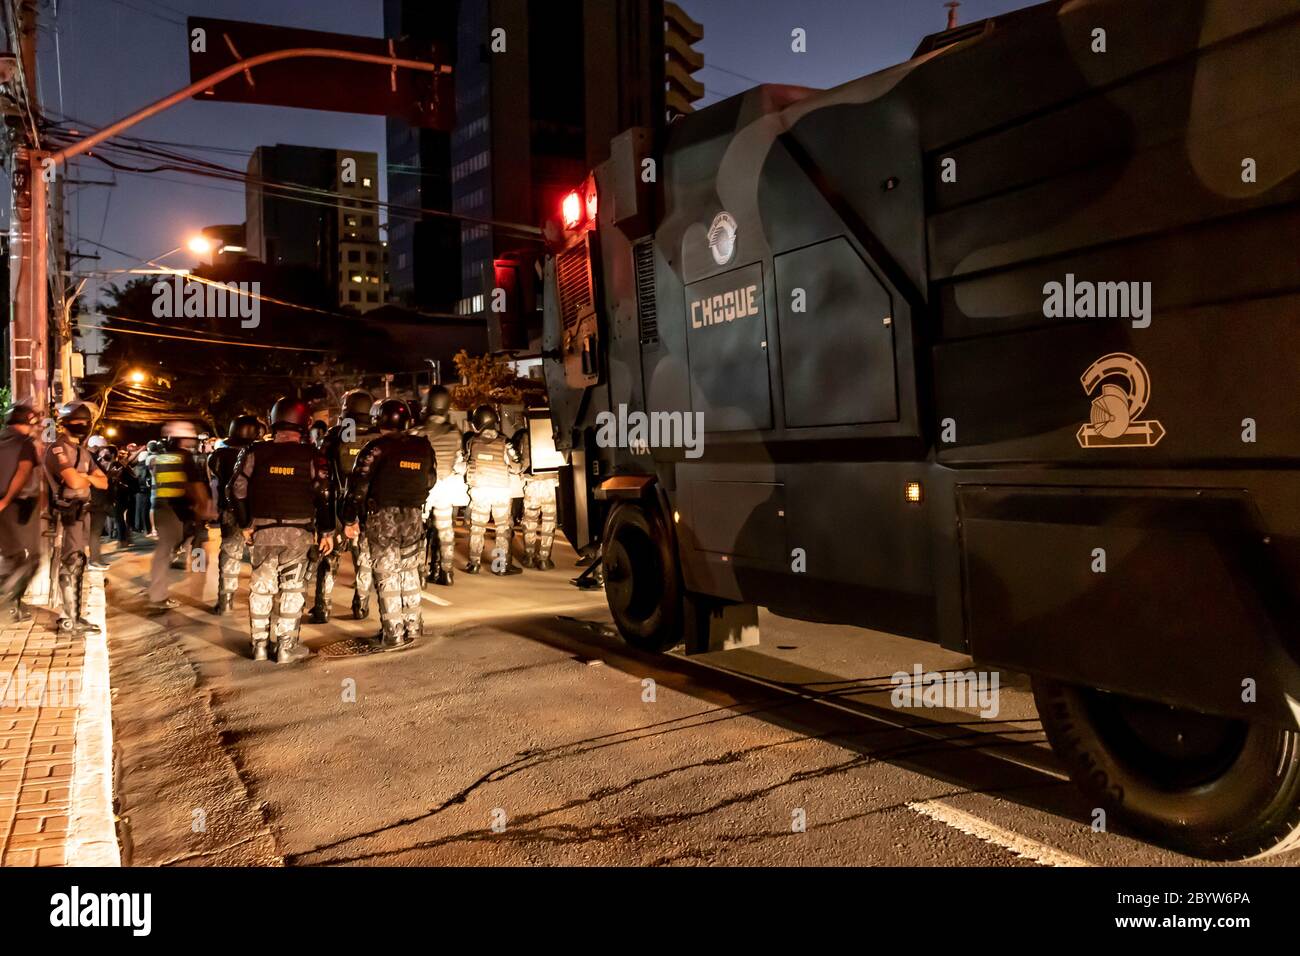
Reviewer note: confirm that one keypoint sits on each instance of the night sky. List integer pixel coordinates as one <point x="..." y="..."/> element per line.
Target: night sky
<point x="117" y="55"/>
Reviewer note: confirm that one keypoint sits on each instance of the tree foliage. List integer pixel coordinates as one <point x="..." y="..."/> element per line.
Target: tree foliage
<point x="214" y="382"/>
<point x="488" y="380"/>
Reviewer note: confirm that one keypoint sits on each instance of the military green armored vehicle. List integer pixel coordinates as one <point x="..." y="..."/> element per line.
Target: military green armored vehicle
<point x="999" y="349"/>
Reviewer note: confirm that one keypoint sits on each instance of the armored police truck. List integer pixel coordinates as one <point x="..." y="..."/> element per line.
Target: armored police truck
<point x="998" y="348"/>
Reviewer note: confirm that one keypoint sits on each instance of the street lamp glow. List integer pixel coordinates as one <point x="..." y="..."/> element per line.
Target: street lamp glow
<point x="110" y="432"/>
<point x="199" y="245"/>
<point x="137" y="377"/>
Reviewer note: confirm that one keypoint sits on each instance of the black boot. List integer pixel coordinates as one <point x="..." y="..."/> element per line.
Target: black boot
<point x="70" y="599"/>
<point x="290" y="651"/>
<point x="260" y="649"/>
<point x="472" y="567"/>
<point x="445" y="577"/>
<point x="360" y="609"/>
<point x="395" y="639"/>
<point x="225" y="604"/>
<point x="320" y="614"/>
<point x="19" y="613"/>
<point x="543" y="564"/>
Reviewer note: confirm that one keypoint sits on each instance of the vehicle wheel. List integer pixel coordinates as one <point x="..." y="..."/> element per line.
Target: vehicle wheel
<point x="642" y="584"/>
<point x="1212" y="787"/>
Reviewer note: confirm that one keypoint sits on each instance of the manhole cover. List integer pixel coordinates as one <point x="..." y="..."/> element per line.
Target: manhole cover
<point x="351" y="647"/>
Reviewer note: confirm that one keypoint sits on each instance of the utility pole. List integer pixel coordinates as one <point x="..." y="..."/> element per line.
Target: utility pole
<point x="63" y="304"/>
<point x="29" y="322"/>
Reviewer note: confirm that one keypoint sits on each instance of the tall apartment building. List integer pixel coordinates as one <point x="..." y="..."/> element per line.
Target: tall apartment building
<point x="330" y="233"/>
<point x="531" y="120"/>
<point x="517" y="146"/>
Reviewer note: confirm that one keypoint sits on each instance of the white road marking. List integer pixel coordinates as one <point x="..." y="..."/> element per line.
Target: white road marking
<point x="990" y="833"/>
<point x="434" y="599"/>
<point x="92" y="836"/>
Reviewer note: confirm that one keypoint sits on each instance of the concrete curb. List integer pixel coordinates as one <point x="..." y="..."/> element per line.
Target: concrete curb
<point x="92" y="831"/>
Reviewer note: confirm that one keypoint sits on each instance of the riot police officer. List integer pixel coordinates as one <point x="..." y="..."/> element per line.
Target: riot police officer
<point x="449" y="492"/>
<point x="386" y="491"/>
<point x="20" y="525"/>
<point x="243" y="431"/>
<point x="489" y="462"/>
<point x="539" y="506"/>
<point x="342" y="445"/>
<point x="71" y="472"/>
<point x="180" y="501"/>
<point x="281" y="497"/>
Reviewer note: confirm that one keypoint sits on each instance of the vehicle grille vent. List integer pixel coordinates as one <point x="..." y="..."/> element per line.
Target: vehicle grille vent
<point x="573" y="276"/>
<point x="643" y="259"/>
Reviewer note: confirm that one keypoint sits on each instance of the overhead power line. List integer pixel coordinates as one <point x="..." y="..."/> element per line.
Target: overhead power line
<point x="191" y="338"/>
<point x="312" y="195"/>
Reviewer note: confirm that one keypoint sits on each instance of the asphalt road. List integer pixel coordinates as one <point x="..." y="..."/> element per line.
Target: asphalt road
<point x="522" y="731"/>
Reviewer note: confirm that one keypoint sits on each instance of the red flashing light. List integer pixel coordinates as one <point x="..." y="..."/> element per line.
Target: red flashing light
<point x="571" y="210"/>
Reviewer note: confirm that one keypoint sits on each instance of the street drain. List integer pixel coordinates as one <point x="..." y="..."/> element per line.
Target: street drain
<point x="351" y="647"/>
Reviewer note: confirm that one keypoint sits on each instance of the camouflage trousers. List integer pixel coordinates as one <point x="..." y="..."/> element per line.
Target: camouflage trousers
<point x="277" y="589"/>
<point x="395" y="539"/>
<point x="485" y="504"/>
<point x="328" y="568"/>
<point x="539" y="519"/>
<point x="230" y="557"/>
<point x="443" y="499"/>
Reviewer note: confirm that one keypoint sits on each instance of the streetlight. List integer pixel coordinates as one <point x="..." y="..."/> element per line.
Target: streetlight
<point x="136" y="377"/>
<point x="199" y="245"/>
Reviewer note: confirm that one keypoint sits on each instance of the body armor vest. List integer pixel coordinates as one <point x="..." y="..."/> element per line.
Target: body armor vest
<point x="446" y="440"/>
<point x="79" y="458"/>
<point x="401" y="476"/>
<point x="346" y="452"/>
<point x="486" y="464"/>
<point x="169" y="476"/>
<point x="281" y="488"/>
<point x="221" y="465"/>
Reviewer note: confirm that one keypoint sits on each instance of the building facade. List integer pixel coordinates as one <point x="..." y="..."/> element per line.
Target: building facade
<point x="336" y="233"/>
<point x="517" y="146"/>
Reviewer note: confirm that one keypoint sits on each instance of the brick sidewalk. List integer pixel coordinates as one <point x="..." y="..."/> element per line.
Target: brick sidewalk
<point x="54" y="798"/>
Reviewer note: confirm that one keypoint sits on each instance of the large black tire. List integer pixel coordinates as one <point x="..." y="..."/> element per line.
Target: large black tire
<point x="642" y="582"/>
<point x="1211" y="787"/>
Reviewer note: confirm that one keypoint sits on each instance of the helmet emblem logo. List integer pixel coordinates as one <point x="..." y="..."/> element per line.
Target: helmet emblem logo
<point x="722" y="238"/>
<point x="1114" y="417"/>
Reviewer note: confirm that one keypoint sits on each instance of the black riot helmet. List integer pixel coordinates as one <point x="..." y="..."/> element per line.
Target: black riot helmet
<point x="23" y="414"/>
<point x="290" y="413"/>
<point x="416" y="410"/>
<point x="244" y="430"/>
<point x="76" y="418"/>
<point x="485" y="418"/>
<point x="438" y="402"/>
<point x="391" y="415"/>
<point x="357" y="405"/>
